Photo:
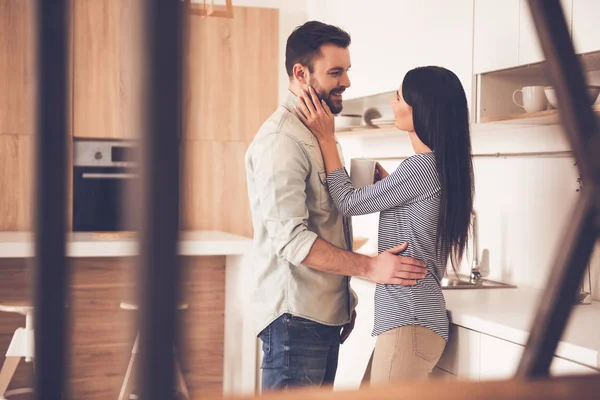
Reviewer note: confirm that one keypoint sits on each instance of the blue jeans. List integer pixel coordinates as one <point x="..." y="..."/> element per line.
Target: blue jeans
<point x="298" y="352"/>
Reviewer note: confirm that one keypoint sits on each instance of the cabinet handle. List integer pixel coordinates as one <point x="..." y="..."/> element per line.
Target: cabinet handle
<point x="99" y="175"/>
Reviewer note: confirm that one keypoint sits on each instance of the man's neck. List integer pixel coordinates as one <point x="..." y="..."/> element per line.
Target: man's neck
<point x="294" y="88"/>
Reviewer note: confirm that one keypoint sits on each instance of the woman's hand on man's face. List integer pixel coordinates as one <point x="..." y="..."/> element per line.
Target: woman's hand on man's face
<point x="316" y="115"/>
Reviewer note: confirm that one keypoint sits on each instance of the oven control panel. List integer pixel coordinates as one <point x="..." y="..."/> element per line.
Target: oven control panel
<point x="101" y="153"/>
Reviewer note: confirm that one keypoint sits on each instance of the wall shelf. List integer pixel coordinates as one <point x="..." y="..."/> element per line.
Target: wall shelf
<point x="495" y="91"/>
<point x="547" y="117"/>
<point x="348" y="130"/>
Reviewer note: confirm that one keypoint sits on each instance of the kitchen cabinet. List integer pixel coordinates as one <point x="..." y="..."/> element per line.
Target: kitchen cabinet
<point x="407" y="34"/>
<point x="17" y="112"/>
<point x="232" y="85"/>
<point x="477" y="356"/>
<point x="17" y="67"/>
<point x="462" y="352"/>
<point x="496" y="35"/>
<point x="560" y="366"/>
<point x="101" y="334"/>
<point x="500" y="359"/>
<point x="530" y="50"/>
<point x="16" y="182"/>
<point x="586" y="29"/>
<point x="505" y="34"/>
<point x="231" y="90"/>
<point x="106" y="68"/>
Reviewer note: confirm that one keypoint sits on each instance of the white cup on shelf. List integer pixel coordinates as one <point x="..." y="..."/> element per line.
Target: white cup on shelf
<point x="534" y="98"/>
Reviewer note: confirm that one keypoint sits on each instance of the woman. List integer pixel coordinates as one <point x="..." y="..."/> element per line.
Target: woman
<point x="426" y="202"/>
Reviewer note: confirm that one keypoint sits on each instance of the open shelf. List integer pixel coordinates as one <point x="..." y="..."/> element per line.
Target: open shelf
<point x="487" y="124"/>
<point x="362" y="128"/>
<point x="494" y="103"/>
<point x="547" y="117"/>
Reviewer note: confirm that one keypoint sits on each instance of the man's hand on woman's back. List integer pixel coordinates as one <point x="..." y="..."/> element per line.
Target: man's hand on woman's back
<point x="390" y="268"/>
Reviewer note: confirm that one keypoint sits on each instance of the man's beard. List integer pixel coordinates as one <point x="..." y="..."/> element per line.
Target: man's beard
<point x="334" y="105"/>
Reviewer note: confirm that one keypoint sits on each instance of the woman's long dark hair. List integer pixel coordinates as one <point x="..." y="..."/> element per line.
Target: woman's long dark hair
<point x="441" y="121"/>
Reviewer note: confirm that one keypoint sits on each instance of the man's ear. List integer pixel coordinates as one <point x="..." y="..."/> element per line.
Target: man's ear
<point x="300" y="74"/>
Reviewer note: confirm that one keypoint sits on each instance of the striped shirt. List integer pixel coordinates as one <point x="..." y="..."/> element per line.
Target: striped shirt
<point x="409" y="202"/>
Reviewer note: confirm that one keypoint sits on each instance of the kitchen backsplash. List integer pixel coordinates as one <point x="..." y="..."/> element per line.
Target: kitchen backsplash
<point x="523" y="203"/>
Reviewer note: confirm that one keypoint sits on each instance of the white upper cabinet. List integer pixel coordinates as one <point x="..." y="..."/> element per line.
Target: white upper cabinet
<point x="390" y="37"/>
<point x="496" y="35"/>
<point x="530" y="50"/>
<point x="586" y="25"/>
<point x="505" y="34"/>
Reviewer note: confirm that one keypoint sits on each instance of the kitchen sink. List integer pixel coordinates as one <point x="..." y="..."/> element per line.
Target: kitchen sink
<point x="464" y="282"/>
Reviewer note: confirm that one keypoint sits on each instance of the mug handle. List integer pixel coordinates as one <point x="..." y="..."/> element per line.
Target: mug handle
<point x="515" y="100"/>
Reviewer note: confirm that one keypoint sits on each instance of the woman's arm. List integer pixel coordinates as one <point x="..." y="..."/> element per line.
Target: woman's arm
<point x="397" y="189"/>
<point x="404" y="184"/>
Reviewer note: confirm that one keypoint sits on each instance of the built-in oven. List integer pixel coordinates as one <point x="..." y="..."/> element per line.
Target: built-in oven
<point x="103" y="172"/>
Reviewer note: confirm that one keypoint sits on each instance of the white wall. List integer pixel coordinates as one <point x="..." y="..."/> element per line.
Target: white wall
<point x="524" y="203"/>
<point x="391" y="37"/>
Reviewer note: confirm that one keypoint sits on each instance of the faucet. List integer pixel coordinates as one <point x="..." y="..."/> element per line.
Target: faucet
<point x="475" y="276"/>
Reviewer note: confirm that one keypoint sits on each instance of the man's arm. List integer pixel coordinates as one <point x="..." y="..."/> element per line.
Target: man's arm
<point x="387" y="267"/>
<point x="279" y="168"/>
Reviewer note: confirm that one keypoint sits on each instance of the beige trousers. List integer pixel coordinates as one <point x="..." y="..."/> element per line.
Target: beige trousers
<point x="405" y="353"/>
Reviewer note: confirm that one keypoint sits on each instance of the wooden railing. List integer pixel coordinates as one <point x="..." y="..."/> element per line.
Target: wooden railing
<point x="541" y="389"/>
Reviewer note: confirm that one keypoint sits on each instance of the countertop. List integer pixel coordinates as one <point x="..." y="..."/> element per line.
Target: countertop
<point x="509" y="313"/>
<point x="88" y="244"/>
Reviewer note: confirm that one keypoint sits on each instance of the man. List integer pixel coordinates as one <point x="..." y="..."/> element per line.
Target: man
<point x="303" y="303"/>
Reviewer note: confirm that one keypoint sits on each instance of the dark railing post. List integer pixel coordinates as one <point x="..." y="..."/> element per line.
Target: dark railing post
<point x="580" y="127"/>
<point x="159" y="272"/>
<point x="51" y="272"/>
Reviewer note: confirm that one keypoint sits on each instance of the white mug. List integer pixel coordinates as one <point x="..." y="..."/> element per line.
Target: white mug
<point x="362" y="172"/>
<point x="534" y="98"/>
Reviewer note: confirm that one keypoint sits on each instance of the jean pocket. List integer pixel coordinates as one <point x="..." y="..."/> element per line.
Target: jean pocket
<point x="265" y="337"/>
<point x="427" y="344"/>
<point x="324" y="198"/>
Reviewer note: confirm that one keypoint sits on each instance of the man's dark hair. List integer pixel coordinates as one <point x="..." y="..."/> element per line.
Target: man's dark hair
<point x="305" y="42"/>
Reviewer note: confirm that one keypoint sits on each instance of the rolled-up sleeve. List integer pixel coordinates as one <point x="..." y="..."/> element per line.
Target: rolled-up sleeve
<point x="280" y="168"/>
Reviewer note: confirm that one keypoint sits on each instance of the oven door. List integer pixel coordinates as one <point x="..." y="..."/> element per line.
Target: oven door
<point x="97" y="197"/>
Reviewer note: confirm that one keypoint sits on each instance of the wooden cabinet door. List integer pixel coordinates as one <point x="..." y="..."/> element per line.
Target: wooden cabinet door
<point x="231" y="90"/>
<point x="17" y="67"/>
<point x="16" y="176"/>
<point x="106" y="68"/>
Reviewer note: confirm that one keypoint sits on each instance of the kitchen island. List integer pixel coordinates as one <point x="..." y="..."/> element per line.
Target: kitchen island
<point x="214" y="333"/>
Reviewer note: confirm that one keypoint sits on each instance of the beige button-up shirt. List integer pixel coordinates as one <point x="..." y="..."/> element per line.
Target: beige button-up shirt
<point x="290" y="208"/>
